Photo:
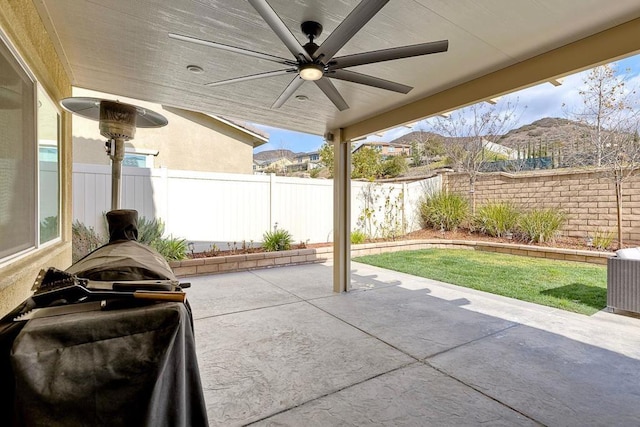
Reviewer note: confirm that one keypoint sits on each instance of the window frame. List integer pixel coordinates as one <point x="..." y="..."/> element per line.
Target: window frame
<point x="41" y="90"/>
<point x="36" y="87"/>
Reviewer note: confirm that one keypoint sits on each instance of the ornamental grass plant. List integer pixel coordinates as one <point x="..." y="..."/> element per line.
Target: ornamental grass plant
<point x="497" y="218"/>
<point x="443" y="211"/>
<point x="541" y="225"/>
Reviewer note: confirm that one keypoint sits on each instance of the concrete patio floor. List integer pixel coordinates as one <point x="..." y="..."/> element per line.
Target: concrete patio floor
<point x="278" y="347"/>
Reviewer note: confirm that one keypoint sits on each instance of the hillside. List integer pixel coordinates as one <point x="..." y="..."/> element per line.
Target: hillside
<point x="547" y="131"/>
<point x="420" y="136"/>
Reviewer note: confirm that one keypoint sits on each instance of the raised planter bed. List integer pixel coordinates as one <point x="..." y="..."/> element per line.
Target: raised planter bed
<point x="232" y="263"/>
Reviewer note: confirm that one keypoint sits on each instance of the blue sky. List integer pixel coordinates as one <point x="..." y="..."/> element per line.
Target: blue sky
<point x="544" y="100"/>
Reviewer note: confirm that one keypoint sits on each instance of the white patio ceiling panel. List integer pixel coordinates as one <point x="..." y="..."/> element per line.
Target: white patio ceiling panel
<point x="122" y="47"/>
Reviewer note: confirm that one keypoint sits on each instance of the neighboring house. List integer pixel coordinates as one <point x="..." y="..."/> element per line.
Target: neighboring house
<point x="386" y="149"/>
<point x="312" y="157"/>
<point x="509" y="153"/>
<point x="275" y="161"/>
<point x="305" y="161"/>
<point x="272" y="165"/>
<point x="191" y="141"/>
<point x="258" y="166"/>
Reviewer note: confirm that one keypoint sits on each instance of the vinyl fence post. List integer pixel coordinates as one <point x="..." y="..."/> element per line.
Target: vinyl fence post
<point x="272" y="179"/>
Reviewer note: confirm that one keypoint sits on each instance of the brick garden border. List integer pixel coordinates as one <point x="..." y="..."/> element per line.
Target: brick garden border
<point x="245" y="262"/>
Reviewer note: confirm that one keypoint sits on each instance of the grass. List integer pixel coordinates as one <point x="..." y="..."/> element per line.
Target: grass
<point x="572" y="286"/>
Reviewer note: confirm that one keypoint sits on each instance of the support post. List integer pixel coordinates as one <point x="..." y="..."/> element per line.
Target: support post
<point x="117" y="155"/>
<point x="341" y="212"/>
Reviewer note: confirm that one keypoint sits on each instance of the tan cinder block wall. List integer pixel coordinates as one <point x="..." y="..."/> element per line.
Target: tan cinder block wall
<point x="21" y="23"/>
<point x="588" y="197"/>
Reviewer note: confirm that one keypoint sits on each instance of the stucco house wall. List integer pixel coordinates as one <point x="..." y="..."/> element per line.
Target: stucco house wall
<point x="20" y="22"/>
<point x="191" y="141"/>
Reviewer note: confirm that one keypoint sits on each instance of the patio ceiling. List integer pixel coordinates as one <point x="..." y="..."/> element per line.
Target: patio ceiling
<point x="122" y="47"/>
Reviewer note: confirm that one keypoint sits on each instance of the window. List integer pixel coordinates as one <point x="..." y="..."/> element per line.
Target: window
<point x="29" y="163"/>
<point x="135" y="160"/>
<point x="139" y="158"/>
<point x="17" y="156"/>
<point x="49" y="172"/>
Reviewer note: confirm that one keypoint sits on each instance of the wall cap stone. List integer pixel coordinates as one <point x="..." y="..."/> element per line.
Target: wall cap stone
<point x="231" y="263"/>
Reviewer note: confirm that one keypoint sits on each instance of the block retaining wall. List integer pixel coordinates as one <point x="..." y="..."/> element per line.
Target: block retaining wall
<point x="587" y="196"/>
<point x="233" y="263"/>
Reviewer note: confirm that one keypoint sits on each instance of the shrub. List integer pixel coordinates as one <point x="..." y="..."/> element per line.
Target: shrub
<point x="602" y="239"/>
<point x="394" y="166"/>
<point x="276" y="240"/>
<point x="443" y="210"/>
<point x="84" y="240"/>
<point x="495" y="219"/>
<point x="541" y="225"/>
<point x="149" y="230"/>
<point x="358" y="237"/>
<point x="171" y="248"/>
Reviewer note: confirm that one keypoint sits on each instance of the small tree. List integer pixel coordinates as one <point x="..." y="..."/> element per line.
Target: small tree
<point x="423" y="144"/>
<point x="326" y="157"/>
<point x="417" y="151"/>
<point x="604" y="110"/>
<point x="366" y="164"/>
<point x="609" y="112"/>
<point x="468" y="131"/>
<point x="394" y="166"/>
<point x="623" y="161"/>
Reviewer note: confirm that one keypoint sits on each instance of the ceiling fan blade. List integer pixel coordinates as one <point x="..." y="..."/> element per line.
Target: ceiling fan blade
<point x="232" y="49"/>
<point x="290" y="90"/>
<point x="332" y="93"/>
<point x="281" y="30"/>
<point x="348" y="28"/>
<point x="351" y="76"/>
<point x="251" y="77"/>
<point x="388" y="54"/>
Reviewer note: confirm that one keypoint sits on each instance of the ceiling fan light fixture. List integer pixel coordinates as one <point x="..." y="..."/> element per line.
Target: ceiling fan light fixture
<point x="311" y="72"/>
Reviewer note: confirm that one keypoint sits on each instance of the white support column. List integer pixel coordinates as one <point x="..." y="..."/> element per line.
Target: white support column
<point x="341" y="212"/>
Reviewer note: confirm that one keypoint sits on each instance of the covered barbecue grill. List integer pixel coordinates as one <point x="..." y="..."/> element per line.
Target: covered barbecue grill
<point x="91" y="362"/>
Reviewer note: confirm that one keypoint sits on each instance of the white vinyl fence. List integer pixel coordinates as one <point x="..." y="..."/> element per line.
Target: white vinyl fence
<point x="217" y="207"/>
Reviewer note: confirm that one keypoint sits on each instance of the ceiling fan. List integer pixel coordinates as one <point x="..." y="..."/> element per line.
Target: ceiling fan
<point x="317" y="63"/>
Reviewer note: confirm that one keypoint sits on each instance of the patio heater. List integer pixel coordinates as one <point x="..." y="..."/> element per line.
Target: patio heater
<point x="118" y="123"/>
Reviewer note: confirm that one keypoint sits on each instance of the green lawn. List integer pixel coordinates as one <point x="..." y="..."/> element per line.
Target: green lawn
<point x="572" y="286"/>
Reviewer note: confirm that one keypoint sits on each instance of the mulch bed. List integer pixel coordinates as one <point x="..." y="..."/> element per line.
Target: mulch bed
<point x="464" y="234"/>
<point x="425" y="233"/>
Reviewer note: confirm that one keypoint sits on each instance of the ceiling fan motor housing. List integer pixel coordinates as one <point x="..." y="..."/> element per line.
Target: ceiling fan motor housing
<point x="117" y="121"/>
<point x="311" y="29"/>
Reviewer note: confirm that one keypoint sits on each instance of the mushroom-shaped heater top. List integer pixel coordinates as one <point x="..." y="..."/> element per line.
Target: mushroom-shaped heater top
<point x="118" y="123"/>
<point x="91" y="108"/>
